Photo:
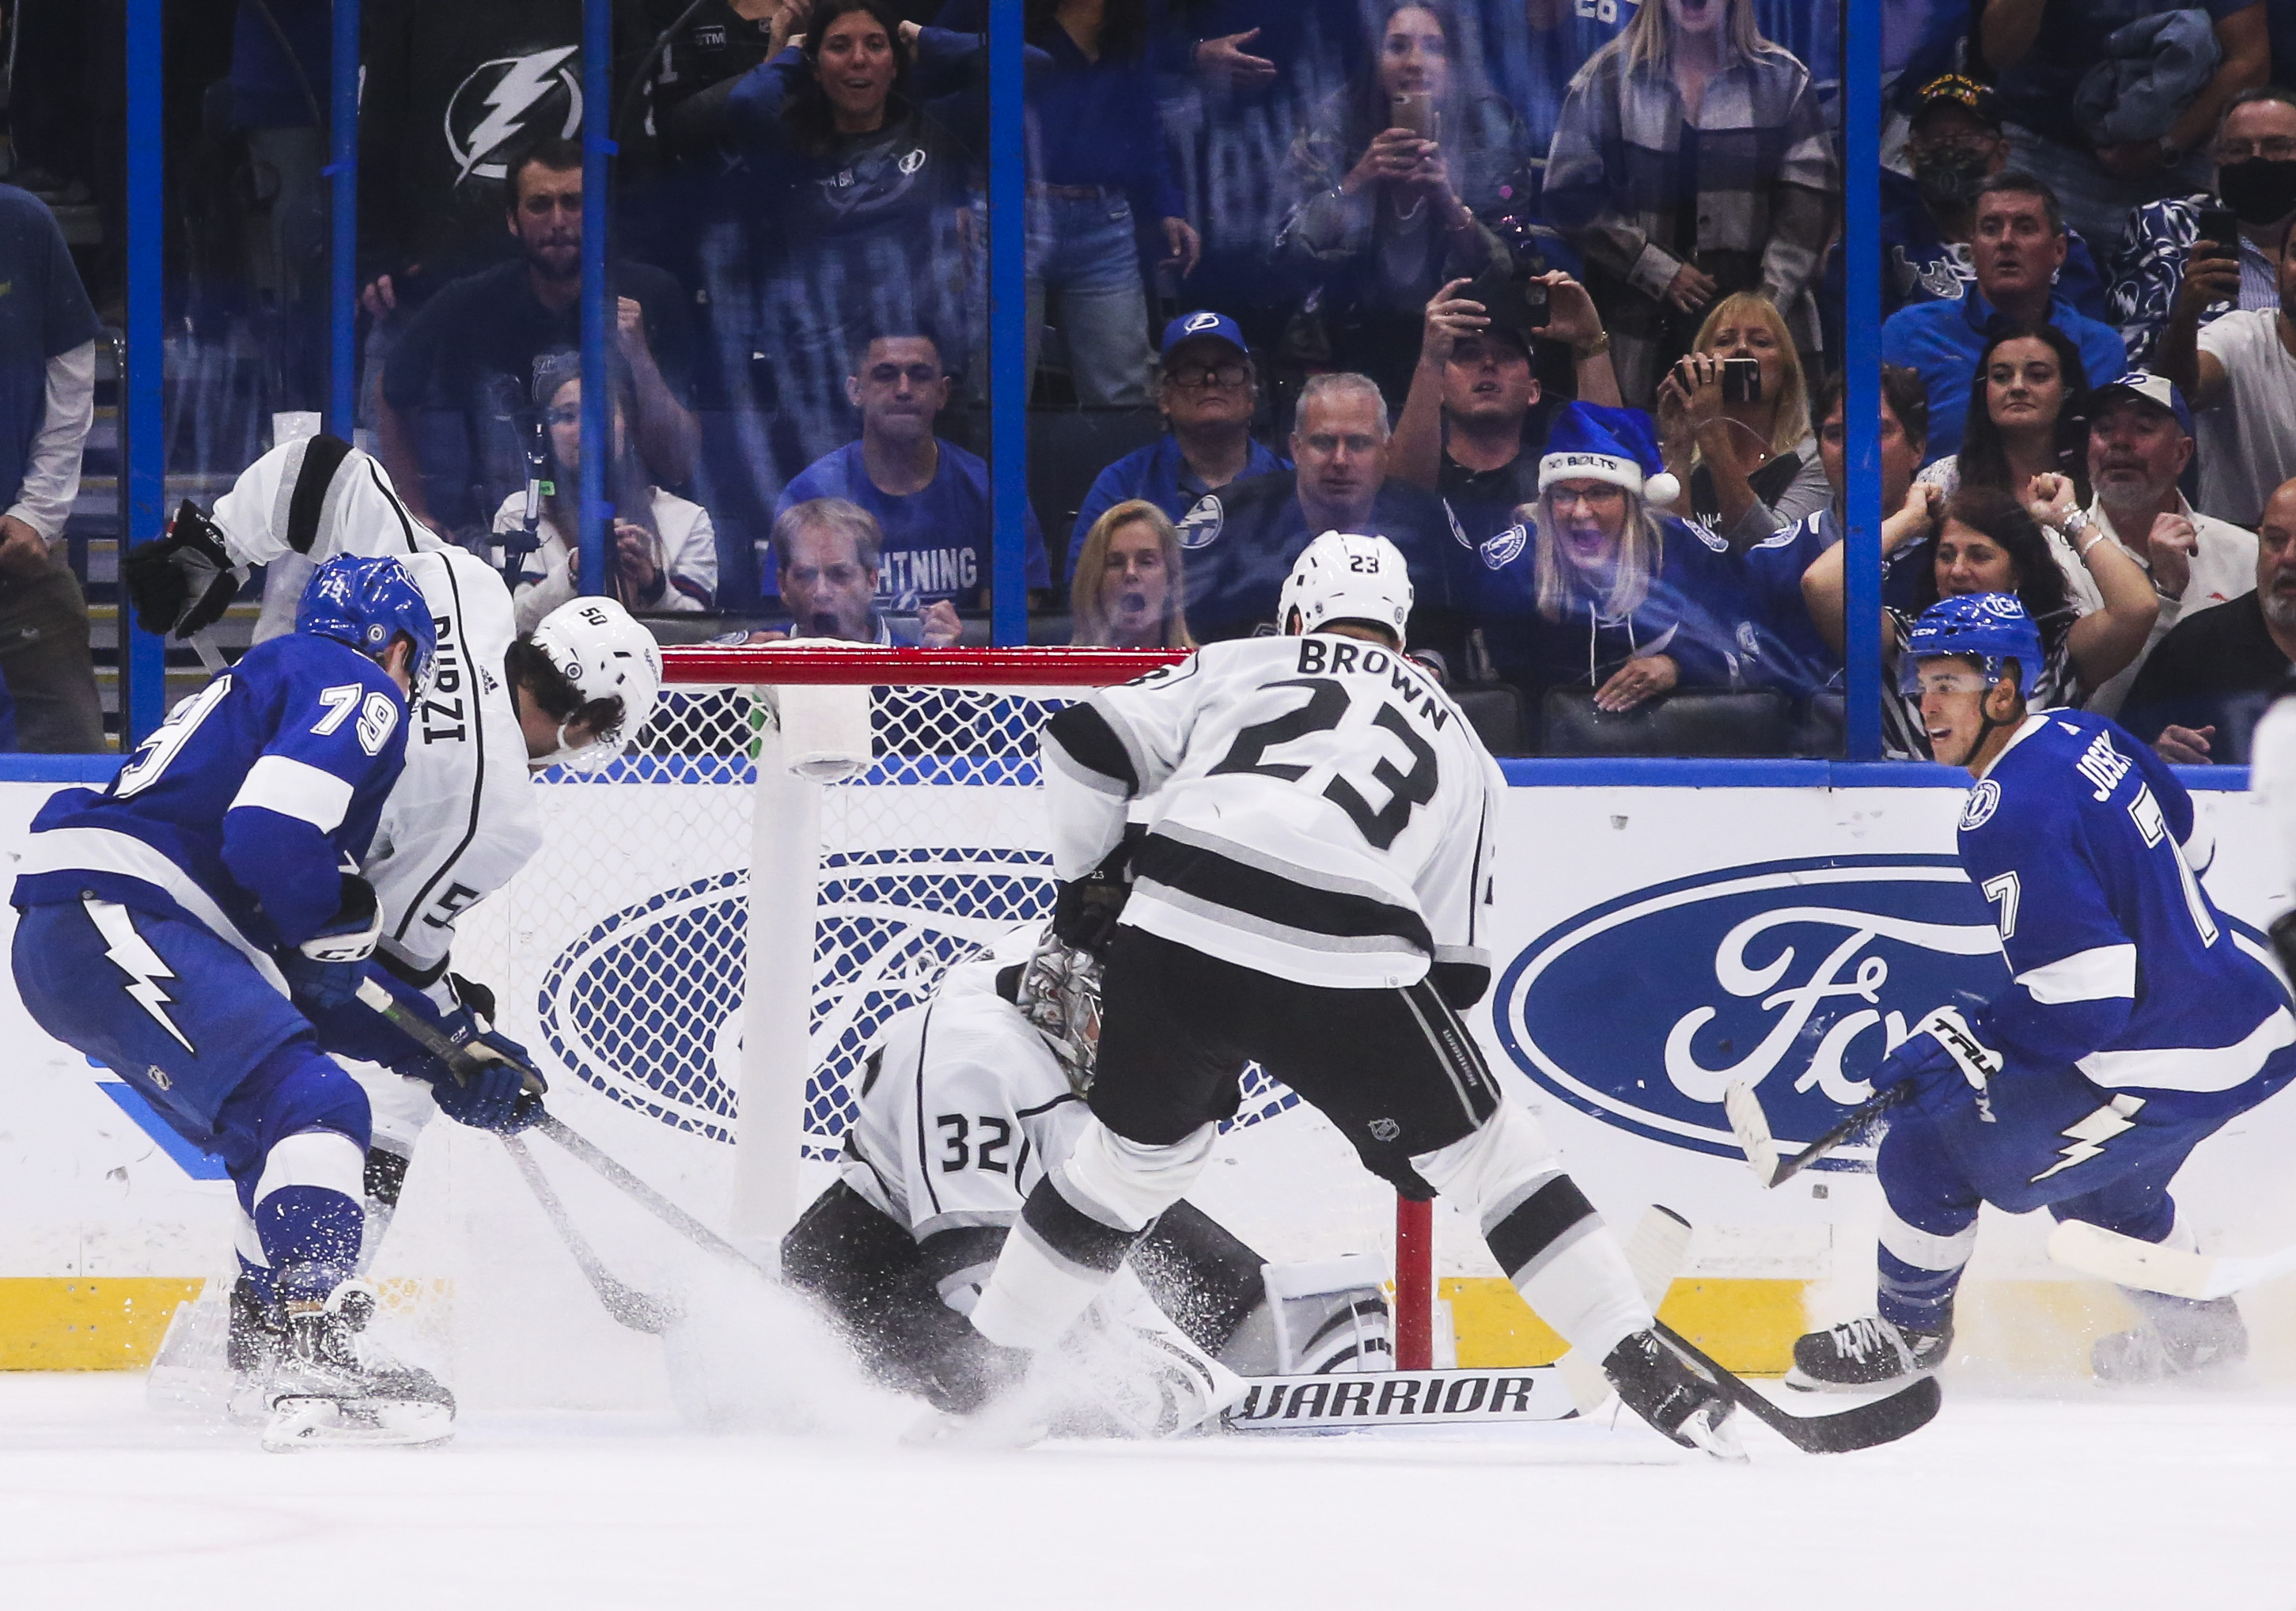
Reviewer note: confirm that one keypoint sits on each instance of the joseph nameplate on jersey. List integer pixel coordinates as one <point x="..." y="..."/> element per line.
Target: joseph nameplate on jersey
<point x="1400" y="1398"/>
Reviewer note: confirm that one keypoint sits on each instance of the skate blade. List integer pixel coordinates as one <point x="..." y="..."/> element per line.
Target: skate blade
<point x="297" y="1424"/>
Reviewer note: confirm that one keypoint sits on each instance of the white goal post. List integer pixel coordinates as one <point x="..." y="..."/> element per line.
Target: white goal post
<point x="798" y="844"/>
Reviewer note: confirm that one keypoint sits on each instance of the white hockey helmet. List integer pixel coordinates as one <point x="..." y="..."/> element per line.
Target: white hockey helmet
<point x="599" y="646"/>
<point x="1343" y="576"/>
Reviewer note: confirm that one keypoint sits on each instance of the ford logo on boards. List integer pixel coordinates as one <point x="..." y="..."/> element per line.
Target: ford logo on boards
<point x="1796" y="977"/>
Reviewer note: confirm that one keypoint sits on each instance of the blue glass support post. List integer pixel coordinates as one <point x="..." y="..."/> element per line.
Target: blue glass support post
<point x="597" y="304"/>
<point x="1008" y="325"/>
<point x="1861" y="138"/>
<point x="144" y="658"/>
<point x="342" y="256"/>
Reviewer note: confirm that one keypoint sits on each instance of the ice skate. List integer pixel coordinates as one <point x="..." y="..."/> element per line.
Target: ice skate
<point x="1673" y="1395"/>
<point x="327" y="1389"/>
<point x="1867" y="1351"/>
<point x="2179" y="1338"/>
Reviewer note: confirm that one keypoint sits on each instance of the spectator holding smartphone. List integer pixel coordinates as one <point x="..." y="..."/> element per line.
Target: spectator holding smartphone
<point x="1734" y="420"/>
<point x="1400" y="178"/>
<point x="2239" y="374"/>
<point x="2245" y="219"/>
<point x="1690" y="162"/>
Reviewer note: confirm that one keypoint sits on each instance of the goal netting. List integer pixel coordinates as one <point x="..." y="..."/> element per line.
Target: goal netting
<point x="797" y="847"/>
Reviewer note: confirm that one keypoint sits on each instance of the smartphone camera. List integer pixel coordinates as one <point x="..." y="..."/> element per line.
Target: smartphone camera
<point x="2220" y="225"/>
<point x="1534" y="306"/>
<point x="1742" y="380"/>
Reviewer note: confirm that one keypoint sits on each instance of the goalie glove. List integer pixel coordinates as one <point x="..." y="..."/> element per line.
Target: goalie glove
<point x="322" y="973"/>
<point x="184" y="582"/>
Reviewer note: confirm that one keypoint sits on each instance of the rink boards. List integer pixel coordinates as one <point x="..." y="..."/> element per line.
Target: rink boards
<point x="1660" y="930"/>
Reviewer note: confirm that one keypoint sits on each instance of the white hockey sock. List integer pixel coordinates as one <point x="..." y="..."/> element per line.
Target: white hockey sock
<point x="1544" y="1234"/>
<point x="1077" y="1228"/>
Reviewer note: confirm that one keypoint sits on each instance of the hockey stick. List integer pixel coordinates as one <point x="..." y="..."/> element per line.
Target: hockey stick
<point x="458" y="1058"/>
<point x="2095" y="1251"/>
<point x="1882" y="1420"/>
<point x="669" y="1213"/>
<point x="430" y="1038"/>
<point x="1751" y="1127"/>
<point x="626" y="1304"/>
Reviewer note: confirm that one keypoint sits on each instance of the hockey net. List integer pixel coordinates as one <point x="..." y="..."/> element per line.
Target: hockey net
<point x="713" y="942"/>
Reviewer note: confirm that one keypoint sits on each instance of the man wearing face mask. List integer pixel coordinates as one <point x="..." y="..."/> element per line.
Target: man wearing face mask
<point x="2255" y="156"/>
<point x="1954" y="145"/>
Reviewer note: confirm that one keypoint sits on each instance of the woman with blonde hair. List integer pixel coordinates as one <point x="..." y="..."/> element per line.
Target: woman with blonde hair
<point x="1691" y="161"/>
<point x="1127" y="589"/>
<point x="1744" y="455"/>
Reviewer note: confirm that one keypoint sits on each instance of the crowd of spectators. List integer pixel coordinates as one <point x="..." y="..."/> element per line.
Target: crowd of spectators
<point x="1550" y="294"/>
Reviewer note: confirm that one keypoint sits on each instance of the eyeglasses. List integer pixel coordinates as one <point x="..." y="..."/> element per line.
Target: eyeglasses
<point x="2280" y="148"/>
<point x="1228" y="377"/>
<point x="1594" y="497"/>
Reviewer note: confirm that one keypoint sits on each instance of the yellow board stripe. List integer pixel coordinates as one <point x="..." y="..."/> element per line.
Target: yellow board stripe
<point x="87" y="1323"/>
<point x="1748" y="1326"/>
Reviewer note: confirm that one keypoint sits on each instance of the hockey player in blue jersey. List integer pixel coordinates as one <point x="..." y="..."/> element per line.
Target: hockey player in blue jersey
<point x="181" y="926"/>
<point x="2133" y="1027"/>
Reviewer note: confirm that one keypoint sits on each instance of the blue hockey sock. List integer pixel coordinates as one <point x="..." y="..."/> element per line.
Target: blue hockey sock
<point x="1914" y="1299"/>
<point x="311" y="1236"/>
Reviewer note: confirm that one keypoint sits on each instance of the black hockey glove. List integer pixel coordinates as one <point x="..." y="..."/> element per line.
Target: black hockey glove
<point x="185" y="581"/>
<point x="495" y="1087"/>
<point x="323" y="972"/>
<point x="1084" y="909"/>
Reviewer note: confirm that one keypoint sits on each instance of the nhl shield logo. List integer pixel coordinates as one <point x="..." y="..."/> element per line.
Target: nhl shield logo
<point x="1385" y="1130"/>
<point x="1201" y="527"/>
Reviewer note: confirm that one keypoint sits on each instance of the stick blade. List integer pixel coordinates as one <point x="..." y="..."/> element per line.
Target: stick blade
<point x="1877" y="1421"/>
<point x="2127" y="1262"/>
<point x="1751" y="1127"/>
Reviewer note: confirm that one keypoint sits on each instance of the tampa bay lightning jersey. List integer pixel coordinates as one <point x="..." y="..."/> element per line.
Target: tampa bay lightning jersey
<point x="239" y="812"/>
<point x="2090" y="852"/>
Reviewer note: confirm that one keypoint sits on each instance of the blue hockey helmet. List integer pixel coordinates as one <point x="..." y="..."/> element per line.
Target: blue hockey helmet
<point x="366" y="603"/>
<point x="1991" y="629"/>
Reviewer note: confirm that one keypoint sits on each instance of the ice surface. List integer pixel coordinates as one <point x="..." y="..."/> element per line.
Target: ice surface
<point x="2084" y="1503"/>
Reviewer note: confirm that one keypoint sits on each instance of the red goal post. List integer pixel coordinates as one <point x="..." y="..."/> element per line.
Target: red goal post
<point x="895" y="828"/>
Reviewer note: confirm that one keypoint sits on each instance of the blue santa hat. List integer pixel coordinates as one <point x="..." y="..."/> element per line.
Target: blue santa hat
<point x="1589" y="442"/>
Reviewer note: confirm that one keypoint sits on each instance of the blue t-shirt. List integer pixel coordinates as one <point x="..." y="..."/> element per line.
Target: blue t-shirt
<point x="1943" y="342"/>
<point x="2082" y="840"/>
<point x="44" y="312"/>
<point x="1755" y="598"/>
<point x="248" y="799"/>
<point x="1160" y="474"/>
<point x="1918" y="266"/>
<point x="938" y="542"/>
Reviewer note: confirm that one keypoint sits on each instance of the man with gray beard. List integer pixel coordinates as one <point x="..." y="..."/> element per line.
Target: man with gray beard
<point x="2140" y="439"/>
<point x="2200" y="695"/>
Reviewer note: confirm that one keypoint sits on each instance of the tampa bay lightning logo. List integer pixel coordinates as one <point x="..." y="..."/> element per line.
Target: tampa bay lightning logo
<point x="1979" y="808"/>
<point x="1501" y="550"/>
<point x="1796" y="977"/>
<point x="509" y="102"/>
<point x="1201" y="527"/>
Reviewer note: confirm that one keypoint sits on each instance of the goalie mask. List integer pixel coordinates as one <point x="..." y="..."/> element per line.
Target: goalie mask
<point x="1059" y="993"/>
<point x="598" y="647"/>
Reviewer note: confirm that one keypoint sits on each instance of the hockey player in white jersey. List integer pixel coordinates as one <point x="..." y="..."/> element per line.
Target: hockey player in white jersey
<point x="462" y="820"/>
<point x="1309" y="893"/>
<point x="965" y="1101"/>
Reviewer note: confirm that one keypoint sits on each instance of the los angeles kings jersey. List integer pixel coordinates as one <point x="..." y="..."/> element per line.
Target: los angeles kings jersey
<point x="963" y="1108"/>
<point x="1322" y="811"/>
<point x="462" y="820"/>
